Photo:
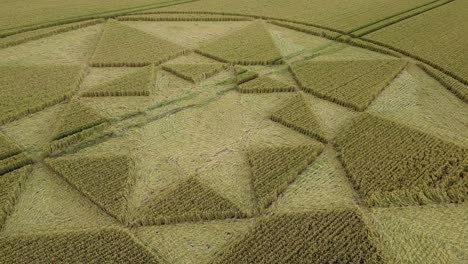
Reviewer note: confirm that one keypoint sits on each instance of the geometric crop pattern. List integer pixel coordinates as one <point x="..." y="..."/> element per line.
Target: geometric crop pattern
<point x="234" y="140"/>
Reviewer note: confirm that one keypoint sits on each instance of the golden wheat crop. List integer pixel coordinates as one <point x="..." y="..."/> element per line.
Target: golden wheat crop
<point x="391" y="164"/>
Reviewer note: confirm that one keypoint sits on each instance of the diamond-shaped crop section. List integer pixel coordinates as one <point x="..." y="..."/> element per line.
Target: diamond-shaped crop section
<point x="391" y="164"/>
<point x="106" y="178"/>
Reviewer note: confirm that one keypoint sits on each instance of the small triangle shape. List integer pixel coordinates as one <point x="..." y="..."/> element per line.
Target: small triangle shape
<point x="296" y="114"/>
<point x="274" y="168"/>
<point x="76" y="118"/>
<point x="122" y="45"/>
<point x="265" y="84"/>
<point x="105" y="179"/>
<point x="250" y="45"/>
<point x="189" y="201"/>
<point x="194" y="72"/>
<point x="353" y="84"/>
<point x="243" y="75"/>
<point x="137" y="83"/>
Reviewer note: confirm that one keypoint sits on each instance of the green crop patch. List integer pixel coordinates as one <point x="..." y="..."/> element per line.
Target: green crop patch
<point x="122" y="45"/>
<point x="138" y="83"/>
<point x="189" y="201"/>
<point x="243" y="75"/>
<point x="353" y="84"/>
<point x="265" y="84"/>
<point x="114" y="246"/>
<point x="194" y="72"/>
<point x="75" y="119"/>
<point x="105" y="179"/>
<point x="391" y="164"/>
<point x="274" y="168"/>
<point x="10" y="187"/>
<point x="297" y="115"/>
<point x="250" y="45"/>
<point x="320" y="237"/>
<point x="29" y="89"/>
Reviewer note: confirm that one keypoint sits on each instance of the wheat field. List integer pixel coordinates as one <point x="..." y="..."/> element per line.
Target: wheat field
<point x="215" y="131"/>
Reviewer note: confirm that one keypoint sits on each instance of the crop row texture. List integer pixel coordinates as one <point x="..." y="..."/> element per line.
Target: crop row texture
<point x="392" y="164"/>
<point x="190" y="200"/>
<point x="265" y="84"/>
<point x="138" y="83"/>
<point x="353" y="84"/>
<point x="28" y="89"/>
<point x="274" y="168"/>
<point x="297" y="115"/>
<point x="318" y="237"/>
<point x="105" y="178"/>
